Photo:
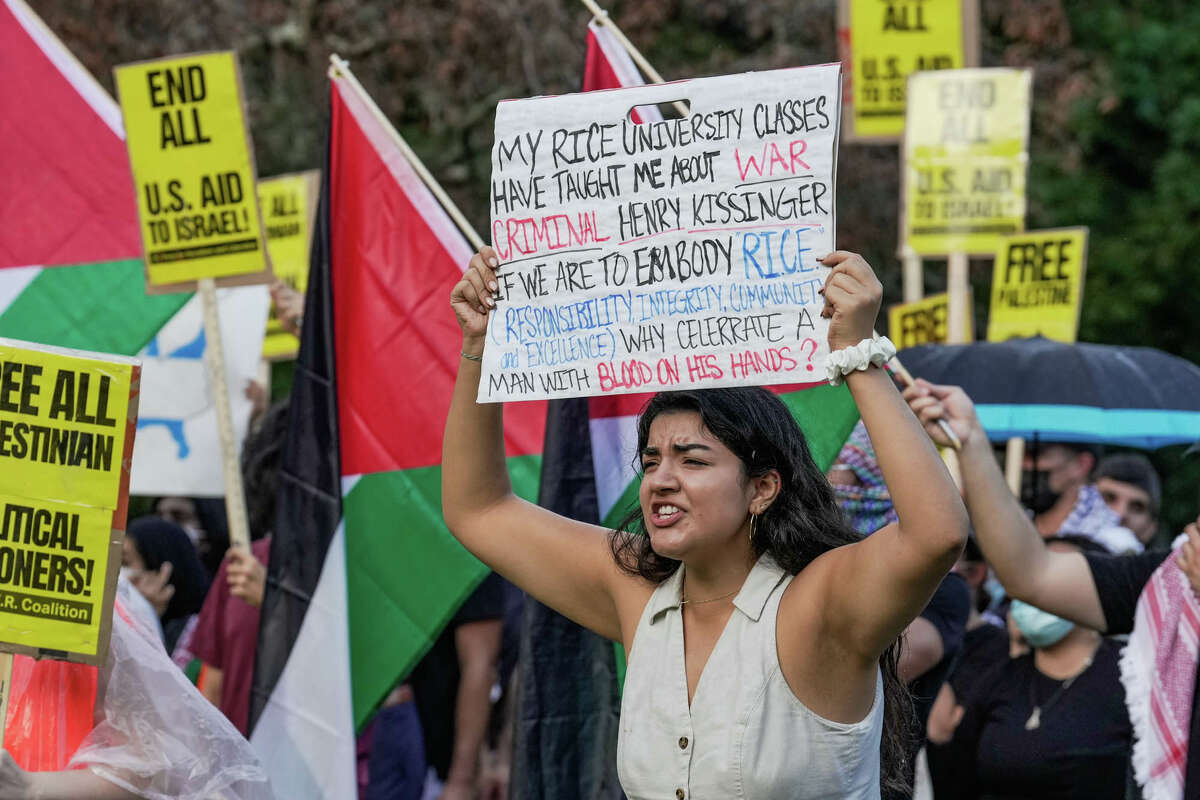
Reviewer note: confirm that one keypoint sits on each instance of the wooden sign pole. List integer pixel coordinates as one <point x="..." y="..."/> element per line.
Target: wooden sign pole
<point x="913" y="276"/>
<point x="1014" y="455"/>
<point x="235" y="500"/>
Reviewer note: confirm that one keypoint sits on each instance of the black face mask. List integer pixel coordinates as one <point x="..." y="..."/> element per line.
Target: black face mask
<point x="1036" y="492"/>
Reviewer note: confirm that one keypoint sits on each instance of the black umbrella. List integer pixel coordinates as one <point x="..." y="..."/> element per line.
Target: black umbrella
<point x="1133" y="396"/>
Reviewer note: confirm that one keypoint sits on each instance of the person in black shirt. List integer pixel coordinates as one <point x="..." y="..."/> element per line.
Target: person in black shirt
<point x="985" y="645"/>
<point x="1098" y="591"/>
<point x="1049" y="725"/>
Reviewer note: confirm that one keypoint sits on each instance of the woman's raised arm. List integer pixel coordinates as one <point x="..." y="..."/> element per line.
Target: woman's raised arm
<point x="879" y="585"/>
<point x="565" y="564"/>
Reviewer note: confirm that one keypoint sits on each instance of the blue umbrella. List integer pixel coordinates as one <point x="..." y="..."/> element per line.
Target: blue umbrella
<point x="1104" y="394"/>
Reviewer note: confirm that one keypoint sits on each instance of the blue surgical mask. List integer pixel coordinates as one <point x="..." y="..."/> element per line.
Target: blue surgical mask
<point x="1040" y="628"/>
<point x="995" y="591"/>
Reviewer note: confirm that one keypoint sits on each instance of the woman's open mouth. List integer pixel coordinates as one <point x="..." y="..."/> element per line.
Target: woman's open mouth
<point x="665" y="514"/>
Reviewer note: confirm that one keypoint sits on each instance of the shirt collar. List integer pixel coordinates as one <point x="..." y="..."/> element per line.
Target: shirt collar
<point x="751" y="600"/>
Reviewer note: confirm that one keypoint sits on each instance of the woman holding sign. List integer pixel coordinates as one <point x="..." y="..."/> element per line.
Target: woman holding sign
<point x="760" y="629"/>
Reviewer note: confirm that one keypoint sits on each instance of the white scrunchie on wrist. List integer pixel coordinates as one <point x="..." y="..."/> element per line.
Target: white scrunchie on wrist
<point x="840" y="363"/>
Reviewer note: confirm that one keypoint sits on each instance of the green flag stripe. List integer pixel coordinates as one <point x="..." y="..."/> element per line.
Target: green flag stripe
<point x="406" y="575"/>
<point x="102" y="307"/>
<point x="827" y="415"/>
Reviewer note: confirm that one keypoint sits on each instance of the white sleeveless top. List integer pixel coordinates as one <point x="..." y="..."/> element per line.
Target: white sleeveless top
<point x="746" y="735"/>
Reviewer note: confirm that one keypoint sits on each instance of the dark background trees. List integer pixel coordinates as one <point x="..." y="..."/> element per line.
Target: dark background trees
<point x="1115" y="125"/>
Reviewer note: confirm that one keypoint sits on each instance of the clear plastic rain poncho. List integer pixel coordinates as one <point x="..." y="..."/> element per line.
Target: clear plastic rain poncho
<point x="156" y="735"/>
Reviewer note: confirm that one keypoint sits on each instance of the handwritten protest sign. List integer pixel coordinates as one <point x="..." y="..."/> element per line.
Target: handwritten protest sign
<point x="669" y="254"/>
<point x="288" y="204"/>
<point x="925" y="321"/>
<point x="965" y="152"/>
<point x="67" y="422"/>
<point x="193" y="171"/>
<point x="884" y="41"/>
<point x="1037" y="285"/>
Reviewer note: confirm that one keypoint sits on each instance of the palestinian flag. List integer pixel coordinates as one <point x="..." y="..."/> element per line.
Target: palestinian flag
<point x="567" y="725"/>
<point x="71" y="270"/>
<point x="70" y="253"/>
<point x="363" y="574"/>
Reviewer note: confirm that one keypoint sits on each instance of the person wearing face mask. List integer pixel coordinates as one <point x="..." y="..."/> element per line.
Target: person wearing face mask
<point x="1056" y="487"/>
<point x="1051" y="724"/>
<point x="203" y="520"/>
<point x="1151" y="596"/>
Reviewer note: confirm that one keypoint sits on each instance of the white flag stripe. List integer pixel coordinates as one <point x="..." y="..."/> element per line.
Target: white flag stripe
<point x="305" y="736"/>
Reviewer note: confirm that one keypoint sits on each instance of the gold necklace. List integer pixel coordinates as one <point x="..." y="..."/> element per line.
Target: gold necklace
<point x="684" y="601"/>
<point x="1035" y="718"/>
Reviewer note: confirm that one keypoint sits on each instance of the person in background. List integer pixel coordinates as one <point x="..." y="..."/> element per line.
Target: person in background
<point x="933" y="640"/>
<point x="1056" y="486"/>
<point x="226" y="635"/>
<point x="203" y="519"/>
<point x="432" y="747"/>
<point x="1050" y="724"/>
<point x="1151" y="596"/>
<point x="453" y="686"/>
<point x="158" y="558"/>
<point x="985" y="644"/>
<point x="1132" y="490"/>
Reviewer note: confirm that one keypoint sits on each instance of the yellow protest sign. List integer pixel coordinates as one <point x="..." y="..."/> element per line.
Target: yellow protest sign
<point x="1037" y="285"/>
<point x="925" y="321"/>
<point x="288" y="204"/>
<point x="67" y="422"/>
<point x="966" y="154"/>
<point x="193" y="171"/>
<point x="884" y="41"/>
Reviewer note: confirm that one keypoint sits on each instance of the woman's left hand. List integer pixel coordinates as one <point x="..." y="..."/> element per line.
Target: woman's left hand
<point x="852" y="297"/>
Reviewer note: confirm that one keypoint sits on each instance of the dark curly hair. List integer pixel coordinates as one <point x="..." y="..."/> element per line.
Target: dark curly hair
<point x="262" y="456"/>
<point x="803" y="522"/>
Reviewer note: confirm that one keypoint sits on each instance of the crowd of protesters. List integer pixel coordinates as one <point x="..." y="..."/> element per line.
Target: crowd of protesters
<point x="988" y="645"/>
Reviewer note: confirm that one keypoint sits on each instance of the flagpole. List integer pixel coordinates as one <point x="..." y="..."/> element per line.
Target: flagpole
<point x="895" y="367"/>
<point x="340" y="68"/>
<point x="602" y="17"/>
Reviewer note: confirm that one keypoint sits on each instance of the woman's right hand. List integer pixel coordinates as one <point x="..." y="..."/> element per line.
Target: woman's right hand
<point x="472" y="297"/>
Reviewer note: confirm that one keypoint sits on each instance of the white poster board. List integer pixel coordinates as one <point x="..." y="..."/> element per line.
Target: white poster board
<point x="179" y="451"/>
<point x="665" y="255"/>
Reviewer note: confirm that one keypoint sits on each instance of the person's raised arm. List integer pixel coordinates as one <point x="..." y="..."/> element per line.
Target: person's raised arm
<point x="1058" y="582"/>
<point x="880" y="584"/>
<point x="75" y="784"/>
<point x="565" y="564"/>
<point x="478" y="647"/>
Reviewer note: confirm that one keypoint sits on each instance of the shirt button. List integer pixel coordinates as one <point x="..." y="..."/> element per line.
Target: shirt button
<point x="679" y="794"/>
<point x="683" y="742"/>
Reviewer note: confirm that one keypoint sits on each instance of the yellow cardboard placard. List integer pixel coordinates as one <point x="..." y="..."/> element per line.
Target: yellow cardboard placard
<point x="193" y="171"/>
<point x="884" y="41"/>
<point x="966" y="156"/>
<point x="67" y="422"/>
<point x="924" y="321"/>
<point x="288" y="204"/>
<point x="1037" y="285"/>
